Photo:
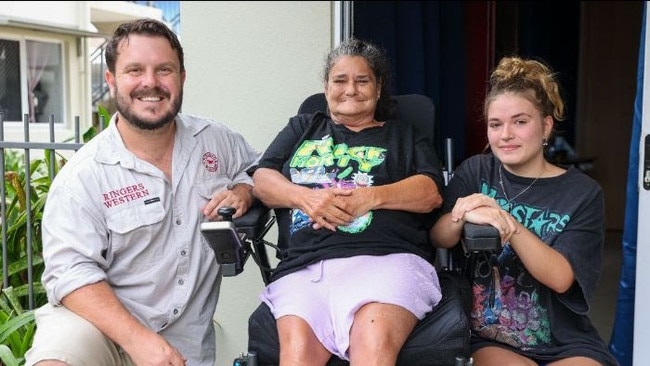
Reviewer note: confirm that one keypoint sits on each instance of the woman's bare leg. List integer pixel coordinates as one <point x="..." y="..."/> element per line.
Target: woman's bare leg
<point x="298" y="343"/>
<point x="378" y="333"/>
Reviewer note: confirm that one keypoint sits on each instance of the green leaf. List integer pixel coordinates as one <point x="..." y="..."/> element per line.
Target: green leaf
<point x="104" y="115"/>
<point x="20" y="264"/>
<point x="89" y="134"/>
<point x="12" y="296"/>
<point x="7" y="357"/>
<point x="23" y="290"/>
<point x="28" y="338"/>
<point x="12" y="325"/>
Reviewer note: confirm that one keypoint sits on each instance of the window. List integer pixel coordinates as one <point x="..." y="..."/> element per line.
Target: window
<point x="10" y="98"/>
<point x="37" y="91"/>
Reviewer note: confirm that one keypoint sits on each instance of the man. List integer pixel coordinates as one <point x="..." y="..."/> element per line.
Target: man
<point x="129" y="278"/>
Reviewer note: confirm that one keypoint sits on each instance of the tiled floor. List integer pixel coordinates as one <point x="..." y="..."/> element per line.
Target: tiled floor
<point x="603" y="309"/>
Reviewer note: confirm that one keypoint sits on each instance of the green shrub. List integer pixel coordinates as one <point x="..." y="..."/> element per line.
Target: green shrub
<point x="17" y="328"/>
<point x="22" y="288"/>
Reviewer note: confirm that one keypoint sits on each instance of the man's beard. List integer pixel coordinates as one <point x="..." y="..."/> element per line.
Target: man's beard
<point x="124" y="107"/>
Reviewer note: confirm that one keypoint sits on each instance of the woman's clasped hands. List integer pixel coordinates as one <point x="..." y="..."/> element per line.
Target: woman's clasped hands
<point x="331" y="207"/>
<point x="480" y="209"/>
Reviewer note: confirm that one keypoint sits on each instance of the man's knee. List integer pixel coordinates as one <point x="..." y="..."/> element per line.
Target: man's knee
<point x="83" y="343"/>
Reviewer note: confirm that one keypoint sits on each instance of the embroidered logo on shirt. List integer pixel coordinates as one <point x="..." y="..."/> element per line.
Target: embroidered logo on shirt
<point x="210" y="162"/>
<point x="124" y="195"/>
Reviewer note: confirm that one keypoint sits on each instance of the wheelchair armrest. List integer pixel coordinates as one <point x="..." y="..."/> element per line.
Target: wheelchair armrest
<point x="477" y="238"/>
<point x="254" y="221"/>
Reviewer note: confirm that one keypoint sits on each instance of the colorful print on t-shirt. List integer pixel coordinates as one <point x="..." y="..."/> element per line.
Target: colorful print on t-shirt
<point x="507" y="303"/>
<point x="322" y="164"/>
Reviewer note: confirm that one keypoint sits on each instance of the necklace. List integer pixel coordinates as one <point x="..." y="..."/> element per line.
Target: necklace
<point x="504" y="189"/>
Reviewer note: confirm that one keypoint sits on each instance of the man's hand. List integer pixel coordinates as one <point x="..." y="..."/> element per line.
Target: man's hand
<point x="239" y="197"/>
<point x="98" y="304"/>
<point x="151" y="349"/>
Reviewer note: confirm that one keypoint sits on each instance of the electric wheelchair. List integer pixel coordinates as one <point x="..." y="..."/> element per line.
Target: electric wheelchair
<point x="440" y="339"/>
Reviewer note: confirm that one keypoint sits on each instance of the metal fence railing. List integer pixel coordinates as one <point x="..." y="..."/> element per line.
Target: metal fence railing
<point x="25" y="180"/>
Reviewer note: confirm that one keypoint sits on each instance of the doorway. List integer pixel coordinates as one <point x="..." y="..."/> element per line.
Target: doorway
<point x="446" y="49"/>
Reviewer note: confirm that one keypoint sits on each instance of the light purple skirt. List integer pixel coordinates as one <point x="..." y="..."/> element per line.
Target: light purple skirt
<point x="327" y="294"/>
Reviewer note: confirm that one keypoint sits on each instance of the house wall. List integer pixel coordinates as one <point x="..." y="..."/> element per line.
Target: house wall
<point x="67" y="14"/>
<point x="250" y="65"/>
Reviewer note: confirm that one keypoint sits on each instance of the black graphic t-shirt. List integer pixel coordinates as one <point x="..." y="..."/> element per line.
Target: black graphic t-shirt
<point x="315" y="152"/>
<point x="510" y="307"/>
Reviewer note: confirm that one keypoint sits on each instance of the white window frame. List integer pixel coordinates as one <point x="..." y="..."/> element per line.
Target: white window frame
<point x="22" y="40"/>
<point x="343" y="21"/>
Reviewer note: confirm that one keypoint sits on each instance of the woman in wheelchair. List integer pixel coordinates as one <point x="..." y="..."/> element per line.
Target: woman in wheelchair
<point x="359" y="190"/>
<point x="530" y="297"/>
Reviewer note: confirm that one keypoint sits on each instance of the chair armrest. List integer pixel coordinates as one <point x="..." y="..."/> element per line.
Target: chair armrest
<point x="253" y="222"/>
<point x="474" y="239"/>
<point x="477" y="238"/>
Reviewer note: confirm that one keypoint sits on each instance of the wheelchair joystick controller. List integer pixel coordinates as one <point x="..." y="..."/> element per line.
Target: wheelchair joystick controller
<point x="226" y="212"/>
<point x="223" y="238"/>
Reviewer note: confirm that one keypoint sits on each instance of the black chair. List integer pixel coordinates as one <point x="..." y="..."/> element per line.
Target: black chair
<point x="440" y="339"/>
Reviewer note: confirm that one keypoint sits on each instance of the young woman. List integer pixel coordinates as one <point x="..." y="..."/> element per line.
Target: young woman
<point x="531" y="299"/>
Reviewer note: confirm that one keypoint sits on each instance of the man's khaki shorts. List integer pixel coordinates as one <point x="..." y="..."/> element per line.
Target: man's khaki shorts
<point x="63" y="335"/>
